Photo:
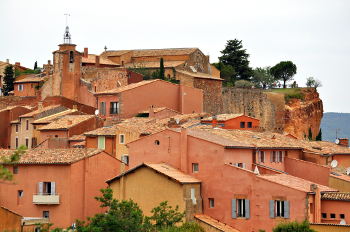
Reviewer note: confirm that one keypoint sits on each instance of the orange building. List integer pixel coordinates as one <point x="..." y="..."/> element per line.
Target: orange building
<point x="59" y="184"/>
<point x="232" y="121"/>
<point x="27" y="85"/>
<point x="102" y="138"/>
<point x="336" y="208"/>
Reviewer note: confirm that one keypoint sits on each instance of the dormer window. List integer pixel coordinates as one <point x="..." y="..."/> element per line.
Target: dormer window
<point x="71" y="57"/>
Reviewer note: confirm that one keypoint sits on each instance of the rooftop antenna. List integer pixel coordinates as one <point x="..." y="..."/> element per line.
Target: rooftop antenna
<point x="67" y="38"/>
<point x="336" y="132"/>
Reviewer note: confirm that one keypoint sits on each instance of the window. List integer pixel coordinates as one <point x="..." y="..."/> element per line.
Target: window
<point x="103" y="108"/>
<point x="324" y="215"/>
<point x="332" y="215"/>
<point x="114" y="108"/>
<point x="20" y="87"/>
<point x="195" y="167"/>
<point x="279" y="208"/>
<point x="27" y="124"/>
<point x="16" y="142"/>
<point x="193" y="196"/>
<point x="211" y="203"/>
<point x="46" y="214"/>
<point x="277" y="156"/>
<point x="20" y="193"/>
<point x="34" y="142"/>
<point x="27" y="142"/>
<point x="156" y="142"/>
<point x="46" y="188"/>
<point x="16" y="128"/>
<point x="342" y="216"/>
<point x="15" y="170"/>
<point x="101" y="142"/>
<point x="71" y="57"/>
<point x="242" y="124"/>
<point x="240" y="165"/>
<point x="125" y="159"/>
<point x="249" y="124"/>
<point x="121" y="139"/>
<point x="261" y="156"/>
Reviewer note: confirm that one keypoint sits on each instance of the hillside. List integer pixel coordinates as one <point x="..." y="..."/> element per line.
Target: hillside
<point x="333" y="121"/>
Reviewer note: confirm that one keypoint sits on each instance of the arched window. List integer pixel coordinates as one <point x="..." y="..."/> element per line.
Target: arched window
<point x="71" y="57"/>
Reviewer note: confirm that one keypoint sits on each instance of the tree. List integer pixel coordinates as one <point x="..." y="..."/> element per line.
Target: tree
<point x="165" y="216"/>
<point x="227" y="72"/>
<point x="237" y="57"/>
<point x="5" y="173"/>
<point x="319" y="136"/>
<point x="293" y="226"/>
<point x="35" y="65"/>
<point x="262" y="78"/>
<point x="284" y="70"/>
<point x="161" y="69"/>
<point x="310" y="134"/>
<point x="313" y="83"/>
<point x="8" y="79"/>
<point x="244" y="84"/>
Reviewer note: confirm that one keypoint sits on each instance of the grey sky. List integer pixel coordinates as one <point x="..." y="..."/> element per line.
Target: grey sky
<point x="314" y="34"/>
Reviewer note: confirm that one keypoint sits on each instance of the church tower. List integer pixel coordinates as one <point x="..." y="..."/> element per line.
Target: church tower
<point x="67" y="69"/>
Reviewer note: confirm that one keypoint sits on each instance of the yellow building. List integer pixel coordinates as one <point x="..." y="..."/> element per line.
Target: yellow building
<point x="340" y="182"/>
<point x="150" y="184"/>
<point x="323" y="227"/>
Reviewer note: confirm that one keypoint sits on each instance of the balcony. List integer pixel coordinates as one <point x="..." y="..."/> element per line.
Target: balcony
<point x="46" y="199"/>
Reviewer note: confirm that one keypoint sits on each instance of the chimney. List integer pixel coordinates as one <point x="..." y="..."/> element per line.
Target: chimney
<point x="344" y="142"/>
<point x="7" y="61"/>
<point x="151" y="112"/>
<point x="69" y="122"/>
<point x="317" y="203"/>
<point x="86" y="52"/>
<point x="49" y="62"/>
<point x="17" y="64"/>
<point x="75" y="107"/>
<point x="183" y="150"/>
<point x="40" y="105"/>
<point x="214" y="122"/>
<point x="97" y="61"/>
<point x="172" y="123"/>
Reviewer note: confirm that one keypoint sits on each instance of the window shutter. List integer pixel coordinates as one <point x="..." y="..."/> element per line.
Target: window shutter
<point x="101" y="142"/>
<point x="272" y="209"/>
<point x="271" y="156"/>
<point x="247" y="208"/>
<point x="53" y="188"/>
<point x="283" y="154"/>
<point x="234" y="208"/>
<point x="286" y="209"/>
<point x="243" y="165"/>
<point x="40" y="188"/>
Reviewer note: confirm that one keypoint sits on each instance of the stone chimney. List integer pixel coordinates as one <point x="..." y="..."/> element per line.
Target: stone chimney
<point x="49" y="62"/>
<point x="97" y="61"/>
<point x="344" y="142"/>
<point x="86" y="52"/>
<point x="317" y="203"/>
<point x="40" y="105"/>
<point x="75" y="107"/>
<point x="173" y="124"/>
<point x="151" y="112"/>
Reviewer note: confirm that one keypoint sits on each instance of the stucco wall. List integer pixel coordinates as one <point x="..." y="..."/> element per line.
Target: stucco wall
<point x="339" y="184"/>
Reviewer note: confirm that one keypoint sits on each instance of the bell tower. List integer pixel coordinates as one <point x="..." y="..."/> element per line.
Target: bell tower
<point x="67" y="69"/>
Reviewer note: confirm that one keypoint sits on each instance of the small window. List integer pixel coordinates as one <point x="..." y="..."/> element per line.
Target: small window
<point x="20" y="193"/>
<point x="241" y="210"/>
<point x="103" y="108"/>
<point x="46" y="214"/>
<point x="114" y="108"/>
<point x="261" y="156"/>
<point x="211" y="203"/>
<point x="242" y="124"/>
<point x="249" y="124"/>
<point x="16" y="128"/>
<point x="27" y="142"/>
<point x="125" y="159"/>
<point x="101" y="142"/>
<point x="156" y="142"/>
<point x="27" y="124"/>
<point x="121" y="139"/>
<point x="240" y="165"/>
<point x="16" y="142"/>
<point x="15" y="170"/>
<point x="342" y="216"/>
<point x="71" y="57"/>
<point x="324" y="215"/>
<point x="20" y="87"/>
<point x="193" y="196"/>
<point x="332" y="215"/>
<point x="279" y="208"/>
<point x="195" y="167"/>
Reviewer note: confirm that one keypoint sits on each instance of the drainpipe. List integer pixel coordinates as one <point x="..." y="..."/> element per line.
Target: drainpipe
<point x="183" y="150"/>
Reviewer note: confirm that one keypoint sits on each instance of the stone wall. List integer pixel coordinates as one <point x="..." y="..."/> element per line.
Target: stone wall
<point x="212" y="94"/>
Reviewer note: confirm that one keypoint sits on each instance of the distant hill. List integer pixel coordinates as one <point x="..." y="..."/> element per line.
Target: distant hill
<point x="333" y="121"/>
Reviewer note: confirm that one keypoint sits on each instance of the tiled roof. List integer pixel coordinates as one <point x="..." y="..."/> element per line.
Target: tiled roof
<point x="115" y="53"/>
<point x="102" y="131"/>
<point x="77" y="138"/>
<point x="199" y="75"/>
<point x="66" y="122"/>
<point x="223" y="117"/>
<point x="154" y="64"/>
<point x="13" y="107"/>
<point x="142" y="125"/>
<point x="164" y="169"/>
<point x="158" y="109"/>
<point x="340" y="196"/>
<point x="28" y="78"/>
<point x="91" y="59"/>
<point x="53" y="117"/>
<point x="295" y="182"/>
<point x="52" y="156"/>
<point x="215" y="223"/>
<point x="152" y="52"/>
<point x="38" y="111"/>
<point x="340" y="176"/>
<point x="127" y="87"/>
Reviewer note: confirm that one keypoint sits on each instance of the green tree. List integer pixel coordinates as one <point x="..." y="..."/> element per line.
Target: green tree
<point x="9" y="78"/>
<point x="5" y="173"/>
<point x="313" y="83"/>
<point x="227" y="72"/>
<point x="293" y="227"/>
<point x="35" y="65"/>
<point x="165" y="216"/>
<point x="262" y="78"/>
<point x="310" y="134"/>
<point x="237" y="57"/>
<point x="319" y="136"/>
<point x="284" y="70"/>
<point x="161" y="69"/>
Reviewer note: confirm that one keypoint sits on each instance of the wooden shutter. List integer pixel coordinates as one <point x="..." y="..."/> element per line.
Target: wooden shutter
<point x="272" y="209"/>
<point x="53" y="188"/>
<point x="286" y="209"/>
<point x="247" y="208"/>
<point x="101" y="142"/>
<point x="234" y="209"/>
<point x="283" y="155"/>
<point x="40" y="188"/>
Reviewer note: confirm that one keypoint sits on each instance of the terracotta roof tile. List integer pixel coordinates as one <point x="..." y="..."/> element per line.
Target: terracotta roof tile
<point x="340" y="196"/>
<point x="66" y="122"/>
<point x="127" y="87"/>
<point x="154" y="64"/>
<point x="77" y="138"/>
<point x="223" y="117"/>
<point x="28" y="78"/>
<point x="151" y="52"/>
<point x="53" y="117"/>
<point x="91" y="59"/>
<point x="38" y="111"/>
<point x="52" y="156"/>
<point x="215" y="223"/>
<point x="295" y="182"/>
<point x="102" y="131"/>
<point x="199" y="75"/>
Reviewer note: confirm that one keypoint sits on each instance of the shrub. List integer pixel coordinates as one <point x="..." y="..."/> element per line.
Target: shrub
<point x="244" y="84"/>
<point x="293" y="226"/>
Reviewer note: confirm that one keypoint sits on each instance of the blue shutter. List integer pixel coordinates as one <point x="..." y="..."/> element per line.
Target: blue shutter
<point x="234" y="209"/>
<point x="286" y="209"/>
<point x="247" y="208"/>
<point x="271" y="156"/>
<point x="272" y="209"/>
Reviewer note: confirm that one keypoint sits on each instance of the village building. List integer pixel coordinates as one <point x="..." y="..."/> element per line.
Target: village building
<point x="17" y="66"/>
<point x="58" y="184"/>
<point x="27" y="85"/>
<point x="102" y="138"/>
<point x="232" y="121"/>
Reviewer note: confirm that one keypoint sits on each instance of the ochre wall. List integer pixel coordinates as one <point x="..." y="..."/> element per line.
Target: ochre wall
<point x="9" y="221"/>
<point x="339" y="184"/>
<point x="328" y="228"/>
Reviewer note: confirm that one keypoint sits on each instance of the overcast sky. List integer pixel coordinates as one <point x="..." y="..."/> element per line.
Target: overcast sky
<point x="314" y="34"/>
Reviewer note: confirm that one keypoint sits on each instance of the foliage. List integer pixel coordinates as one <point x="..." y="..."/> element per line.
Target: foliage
<point x="237" y="57"/>
<point x="262" y="78"/>
<point x="294" y="85"/>
<point x="319" y="136"/>
<point x="5" y="173"/>
<point x="165" y="216"/>
<point x="9" y="78"/>
<point x="227" y="72"/>
<point x="310" y="134"/>
<point x="186" y="227"/>
<point x="285" y="70"/>
<point x="244" y="84"/>
<point x="289" y="94"/>
<point x="293" y="226"/>
<point x="161" y="69"/>
<point x="313" y="83"/>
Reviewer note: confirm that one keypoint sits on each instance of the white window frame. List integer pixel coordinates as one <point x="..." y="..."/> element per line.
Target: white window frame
<point x="120" y="139"/>
<point x="193" y="196"/>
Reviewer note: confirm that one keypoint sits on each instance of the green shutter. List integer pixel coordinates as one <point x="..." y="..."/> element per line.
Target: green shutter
<point x="101" y="142"/>
<point x="247" y="208"/>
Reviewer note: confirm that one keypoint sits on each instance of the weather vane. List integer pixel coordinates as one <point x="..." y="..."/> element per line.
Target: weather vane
<point x="67" y="38"/>
<point x="67" y="15"/>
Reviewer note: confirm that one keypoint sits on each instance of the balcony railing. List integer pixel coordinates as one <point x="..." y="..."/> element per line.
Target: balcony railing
<point x="46" y="199"/>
